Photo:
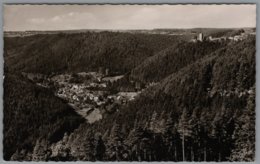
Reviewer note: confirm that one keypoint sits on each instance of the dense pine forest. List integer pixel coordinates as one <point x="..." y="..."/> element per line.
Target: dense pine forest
<point x="120" y="52"/>
<point x="31" y="113"/>
<point x="195" y="101"/>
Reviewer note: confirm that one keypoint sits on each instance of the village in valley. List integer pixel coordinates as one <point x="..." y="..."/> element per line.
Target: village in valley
<point x="90" y="94"/>
<point x="94" y="94"/>
<point x="122" y="83"/>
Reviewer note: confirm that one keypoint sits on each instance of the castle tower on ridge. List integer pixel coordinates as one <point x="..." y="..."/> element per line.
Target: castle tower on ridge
<point x="200" y="37"/>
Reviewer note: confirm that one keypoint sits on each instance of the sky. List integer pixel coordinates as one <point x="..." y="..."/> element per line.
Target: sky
<point x="70" y="17"/>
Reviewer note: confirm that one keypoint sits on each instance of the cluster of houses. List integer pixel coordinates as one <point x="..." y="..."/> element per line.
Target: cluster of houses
<point x="87" y="92"/>
<point x="91" y="96"/>
<point x="79" y="94"/>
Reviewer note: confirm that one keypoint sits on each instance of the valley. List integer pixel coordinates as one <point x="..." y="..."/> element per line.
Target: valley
<point x="89" y="94"/>
<point x="158" y="95"/>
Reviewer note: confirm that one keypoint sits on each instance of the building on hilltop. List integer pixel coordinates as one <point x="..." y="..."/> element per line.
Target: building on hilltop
<point x="200" y="37"/>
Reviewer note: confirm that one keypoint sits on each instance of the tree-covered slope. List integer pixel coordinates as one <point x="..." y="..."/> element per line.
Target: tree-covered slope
<point x="32" y="112"/>
<point x="202" y="109"/>
<point x="198" y="113"/>
<point x="172" y="59"/>
<point x="119" y="52"/>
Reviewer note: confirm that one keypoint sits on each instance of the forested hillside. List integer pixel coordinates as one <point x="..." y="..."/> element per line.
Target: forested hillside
<point x="119" y="52"/>
<point x="194" y="101"/>
<point x="204" y="112"/>
<point x="172" y="59"/>
<point x="30" y="113"/>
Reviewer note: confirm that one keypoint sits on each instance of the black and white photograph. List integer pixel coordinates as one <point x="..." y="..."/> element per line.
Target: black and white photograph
<point x="128" y="82"/>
